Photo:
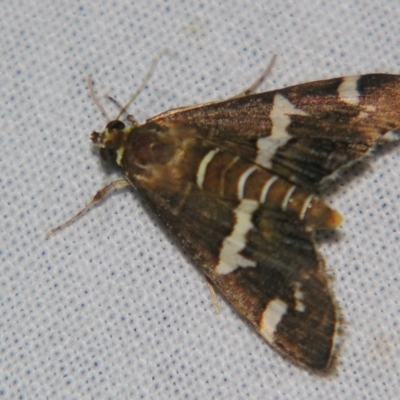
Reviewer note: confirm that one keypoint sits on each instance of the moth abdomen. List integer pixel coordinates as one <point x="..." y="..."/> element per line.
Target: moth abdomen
<point x="230" y="177"/>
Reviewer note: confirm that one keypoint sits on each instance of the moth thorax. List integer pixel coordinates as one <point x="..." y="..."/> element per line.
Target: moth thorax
<point x="151" y="146"/>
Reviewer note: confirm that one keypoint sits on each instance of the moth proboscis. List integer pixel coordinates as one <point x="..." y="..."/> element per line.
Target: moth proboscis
<point x="237" y="182"/>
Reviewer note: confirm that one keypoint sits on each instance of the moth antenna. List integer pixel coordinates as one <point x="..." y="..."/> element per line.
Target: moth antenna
<point x="145" y="80"/>
<point x="116" y="103"/>
<point x="261" y="79"/>
<point x="130" y="118"/>
<point x="96" y="99"/>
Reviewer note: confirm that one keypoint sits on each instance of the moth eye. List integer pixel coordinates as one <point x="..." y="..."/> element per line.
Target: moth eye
<point x="115" y="125"/>
<point x="108" y="154"/>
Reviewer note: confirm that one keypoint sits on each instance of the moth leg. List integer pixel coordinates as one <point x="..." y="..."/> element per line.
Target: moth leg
<point x="118" y="184"/>
<point x="260" y="80"/>
<point x="213" y="296"/>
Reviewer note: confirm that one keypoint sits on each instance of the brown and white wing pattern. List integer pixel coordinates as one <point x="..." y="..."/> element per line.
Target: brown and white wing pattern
<point x="235" y="182"/>
<point x="265" y="263"/>
<point x="305" y="133"/>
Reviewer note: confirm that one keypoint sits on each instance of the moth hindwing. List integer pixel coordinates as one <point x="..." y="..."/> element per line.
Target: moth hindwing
<point x="237" y="181"/>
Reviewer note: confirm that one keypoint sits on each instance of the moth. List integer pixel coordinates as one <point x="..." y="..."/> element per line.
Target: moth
<point x="238" y="184"/>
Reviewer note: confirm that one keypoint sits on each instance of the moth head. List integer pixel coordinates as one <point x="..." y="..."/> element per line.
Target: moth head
<point x="112" y="141"/>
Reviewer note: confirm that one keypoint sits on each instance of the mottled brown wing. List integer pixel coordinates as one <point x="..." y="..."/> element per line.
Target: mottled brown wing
<point x="231" y="181"/>
<point x="304" y="133"/>
<point x="287" y="269"/>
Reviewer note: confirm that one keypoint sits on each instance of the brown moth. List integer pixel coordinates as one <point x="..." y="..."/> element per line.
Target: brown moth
<point x="237" y="183"/>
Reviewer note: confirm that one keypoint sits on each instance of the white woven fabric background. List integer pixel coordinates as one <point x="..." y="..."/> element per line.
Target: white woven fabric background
<point x="109" y="308"/>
